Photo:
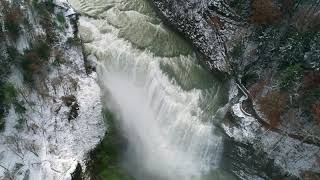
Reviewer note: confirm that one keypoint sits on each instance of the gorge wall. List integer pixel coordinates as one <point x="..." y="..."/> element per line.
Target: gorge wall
<point x="50" y="108"/>
<point x="271" y="48"/>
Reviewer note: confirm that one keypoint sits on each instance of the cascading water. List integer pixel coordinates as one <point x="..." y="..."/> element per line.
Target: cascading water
<point x="165" y="101"/>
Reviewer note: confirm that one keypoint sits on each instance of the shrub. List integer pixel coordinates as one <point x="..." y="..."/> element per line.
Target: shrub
<point x="316" y="93"/>
<point x="20" y="123"/>
<point x="4" y="66"/>
<point x="265" y="12"/>
<point x="19" y="107"/>
<point x="12" y="21"/>
<point x="316" y="112"/>
<point x="42" y="49"/>
<point x="61" y="19"/>
<point x="43" y="6"/>
<point x="8" y="96"/>
<point x="31" y="62"/>
<point x="309" y="175"/>
<point x="290" y="75"/>
<point x="216" y="22"/>
<point x="49" y="5"/>
<point x="45" y="10"/>
<point x="58" y="61"/>
<point x="34" y="59"/>
<point x="272" y="106"/>
<point x="311" y="83"/>
<point x="2" y="122"/>
<point x="293" y="47"/>
<point x="287" y="6"/>
<point x="249" y="78"/>
<point x="241" y="7"/>
<point x="3" y="108"/>
<point x="307" y="18"/>
<point x="257" y="88"/>
<point x="12" y="53"/>
<point x="238" y="50"/>
<point x="1" y="33"/>
<point x="74" y="41"/>
<point x="58" y="57"/>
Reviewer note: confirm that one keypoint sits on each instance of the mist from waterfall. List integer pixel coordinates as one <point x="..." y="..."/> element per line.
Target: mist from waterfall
<point x="162" y="123"/>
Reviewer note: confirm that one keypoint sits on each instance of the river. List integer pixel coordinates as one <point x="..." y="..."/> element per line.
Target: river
<point x="166" y="106"/>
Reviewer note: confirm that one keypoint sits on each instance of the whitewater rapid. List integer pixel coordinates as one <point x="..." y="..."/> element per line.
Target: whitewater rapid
<point x="164" y="101"/>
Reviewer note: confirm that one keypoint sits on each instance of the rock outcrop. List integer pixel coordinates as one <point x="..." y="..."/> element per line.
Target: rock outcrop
<point x="209" y="24"/>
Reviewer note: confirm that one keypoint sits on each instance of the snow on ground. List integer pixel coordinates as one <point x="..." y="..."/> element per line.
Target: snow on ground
<point x="293" y="156"/>
<point x="50" y="145"/>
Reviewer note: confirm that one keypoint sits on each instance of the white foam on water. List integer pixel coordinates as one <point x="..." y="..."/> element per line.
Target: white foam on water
<point x="163" y="123"/>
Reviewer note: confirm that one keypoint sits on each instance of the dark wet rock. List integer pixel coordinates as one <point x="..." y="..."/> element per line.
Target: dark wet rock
<point x="72" y="103"/>
<point x="69" y="100"/>
<point x="77" y="174"/>
<point x="272" y="49"/>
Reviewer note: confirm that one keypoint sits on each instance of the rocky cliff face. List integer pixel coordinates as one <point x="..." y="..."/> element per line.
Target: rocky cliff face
<point x="48" y="103"/>
<point x="272" y="49"/>
<point x="209" y="24"/>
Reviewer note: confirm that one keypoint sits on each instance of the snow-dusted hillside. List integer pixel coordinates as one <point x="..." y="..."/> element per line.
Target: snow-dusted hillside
<point x="62" y="118"/>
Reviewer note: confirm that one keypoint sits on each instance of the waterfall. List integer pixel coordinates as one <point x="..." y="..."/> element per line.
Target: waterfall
<point x="164" y="100"/>
<point x="162" y="122"/>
